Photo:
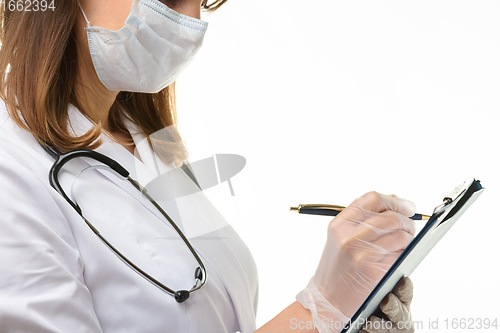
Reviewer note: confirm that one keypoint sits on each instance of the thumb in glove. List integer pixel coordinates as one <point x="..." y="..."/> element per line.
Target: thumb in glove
<point x="396" y="307"/>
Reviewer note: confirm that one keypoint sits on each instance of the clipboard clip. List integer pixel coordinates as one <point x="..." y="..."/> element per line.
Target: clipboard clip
<point x="453" y="195"/>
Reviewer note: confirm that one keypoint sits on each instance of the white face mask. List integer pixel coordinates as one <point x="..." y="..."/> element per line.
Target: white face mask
<point x="149" y="52"/>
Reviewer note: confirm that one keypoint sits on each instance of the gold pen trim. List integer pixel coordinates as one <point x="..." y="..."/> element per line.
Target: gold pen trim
<point x="317" y="206"/>
<point x="335" y="207"/>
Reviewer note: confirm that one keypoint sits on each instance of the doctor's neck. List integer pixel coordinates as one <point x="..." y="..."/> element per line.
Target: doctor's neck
<point x="91" y="94"/>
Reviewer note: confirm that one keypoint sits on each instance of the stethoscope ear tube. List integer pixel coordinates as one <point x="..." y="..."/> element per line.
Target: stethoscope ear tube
<point x="63" y="159"/>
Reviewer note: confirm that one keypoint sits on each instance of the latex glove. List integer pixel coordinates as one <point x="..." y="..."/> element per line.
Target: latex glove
<point x="363" y="242"/>
<point x="396" y="306"/>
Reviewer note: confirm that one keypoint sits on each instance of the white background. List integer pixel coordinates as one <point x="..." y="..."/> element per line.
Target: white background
<point x="330" y="99"/>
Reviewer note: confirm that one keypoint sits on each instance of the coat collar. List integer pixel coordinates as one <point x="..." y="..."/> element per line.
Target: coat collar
<point x="144" y="166"/>
<point x="141" y="164"/>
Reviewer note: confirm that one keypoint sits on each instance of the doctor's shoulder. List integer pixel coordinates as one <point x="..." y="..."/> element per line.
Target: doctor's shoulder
<point x="41" y="266"/>
<point x="20" y="145"/>
<point x="24" y="168"/>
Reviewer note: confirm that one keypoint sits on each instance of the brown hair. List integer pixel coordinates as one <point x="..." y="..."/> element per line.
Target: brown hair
<point x="38" y="70"/>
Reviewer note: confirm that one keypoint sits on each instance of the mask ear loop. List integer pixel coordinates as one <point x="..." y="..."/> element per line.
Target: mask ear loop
<point x="85" y="16"/>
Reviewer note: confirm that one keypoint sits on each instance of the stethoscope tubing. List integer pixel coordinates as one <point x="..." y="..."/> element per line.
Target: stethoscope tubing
<point x="61" y="159"/>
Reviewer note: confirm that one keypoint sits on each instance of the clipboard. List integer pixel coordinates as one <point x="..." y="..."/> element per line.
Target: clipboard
<point x="444" y="217"/>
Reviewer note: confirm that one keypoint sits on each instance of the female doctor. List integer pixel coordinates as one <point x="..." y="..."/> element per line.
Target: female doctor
<point x="98" y="75"/>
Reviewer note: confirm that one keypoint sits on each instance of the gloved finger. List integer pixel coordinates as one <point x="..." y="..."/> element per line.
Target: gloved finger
<point x="371" y="226"/>
<point x="372" y="253"/>
<point x="387" y="220"/>
<point x="404" y="290"/>
<point x="379" y="224"/>
<point x="395" y="310"/>
<point x="394" y="241"/>
<point x="389" y="260"/>
<point x="375" y="268"/>
<point x="377" y="202"/>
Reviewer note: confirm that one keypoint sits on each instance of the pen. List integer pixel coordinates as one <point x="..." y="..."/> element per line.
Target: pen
<point x="333" y="210"/>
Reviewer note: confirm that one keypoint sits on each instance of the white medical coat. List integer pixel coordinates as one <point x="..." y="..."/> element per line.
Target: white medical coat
<point x="57" y="276"/>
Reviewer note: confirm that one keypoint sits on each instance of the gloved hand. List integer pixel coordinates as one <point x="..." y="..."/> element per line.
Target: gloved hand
<point x="363" y="242"/>
<point x="396" y="306"/>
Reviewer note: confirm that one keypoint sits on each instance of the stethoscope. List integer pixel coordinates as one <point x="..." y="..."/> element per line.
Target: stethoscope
<point x="200" y="274"/>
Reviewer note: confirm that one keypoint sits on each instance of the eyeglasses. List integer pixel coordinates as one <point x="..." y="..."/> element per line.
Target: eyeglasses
<point x="213" y="5"/>
<point x="204" y="4"/>
<point x="200" y="275"/>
